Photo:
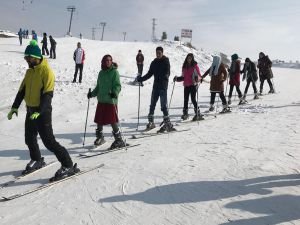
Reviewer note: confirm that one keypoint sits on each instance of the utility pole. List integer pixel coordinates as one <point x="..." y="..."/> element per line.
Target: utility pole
<point x="93" y="33"/>
<point x="103" y="24"/>
<point x="72" y="10"/>
<point x="124" y="33"/>
<point x="153" y="29"/>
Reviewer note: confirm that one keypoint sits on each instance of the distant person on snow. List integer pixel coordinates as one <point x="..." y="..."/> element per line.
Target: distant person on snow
<point x="44" y="44"/>
<point x="20" y="34"/>
<point x="191" y="77"/>
<point x="79" y="57"/>
<point x="265" y="72"/>
<point x="250" y="75"/>
<point x="218" y="74"/>
<point x="234" y="75"/>
<point x="52" y="47"/>
<point x="34" y="35"/>
<point x="140" y="62"/>
<point x="37" y="91"/>
<point x="160" y="69"/>
<point x="107" y="91"/>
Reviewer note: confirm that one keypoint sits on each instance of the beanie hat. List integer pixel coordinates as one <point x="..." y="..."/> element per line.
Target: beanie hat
<point x="159" y="48"/>
<point x="234" y="57"/>
<point x="33" y="50"/>
<point x="247" y="60"/>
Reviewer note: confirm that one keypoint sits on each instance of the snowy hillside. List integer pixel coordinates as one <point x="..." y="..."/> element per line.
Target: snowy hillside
<point x="238" y="168"/>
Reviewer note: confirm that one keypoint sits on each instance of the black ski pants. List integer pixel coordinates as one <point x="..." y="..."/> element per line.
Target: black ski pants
<point x="45" y="48"/>
<point x="80" y="68"/>
<point x="140" y="68"/>
<point x="262" y="84"/>
<point x="190" y="91"/>
<point x="53" y="52"/>
<point x="237" y="87"/>
<point x="213" y="97"/>
<point x="43" y="126"/>
<point x="247" y="86"/>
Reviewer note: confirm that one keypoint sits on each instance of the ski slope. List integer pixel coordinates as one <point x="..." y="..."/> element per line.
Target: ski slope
<point x="238" y="168"/>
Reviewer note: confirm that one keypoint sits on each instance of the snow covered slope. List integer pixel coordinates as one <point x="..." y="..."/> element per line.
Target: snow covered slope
<point x="238" y="168"/>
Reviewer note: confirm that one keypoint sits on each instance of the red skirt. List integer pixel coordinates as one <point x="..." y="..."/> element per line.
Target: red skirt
<point x="106" y="114"/>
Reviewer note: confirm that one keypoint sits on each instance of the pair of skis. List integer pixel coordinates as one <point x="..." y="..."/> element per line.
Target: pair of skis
<point x="50" y="184"/>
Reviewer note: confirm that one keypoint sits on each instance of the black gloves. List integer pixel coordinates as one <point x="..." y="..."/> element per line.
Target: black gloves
<point x="139" y="78"/>
<point x="113" y="95"/>
<point x="89" y="95"/>
<point x="175" y="79"/>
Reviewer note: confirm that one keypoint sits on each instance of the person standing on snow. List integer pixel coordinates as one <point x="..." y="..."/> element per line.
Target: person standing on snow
<point x="37" y="91"/>
<point x="160" y="69"/>
<point x="140" y="62"/>
<point x="250" y="74"/>
<point x="52" y="47"/>
<point x="44" y="44"/>
<point x="234" y="75"/>
<point x="191" y="77"/>
<point x="34" y="35"/>
<point x="107" y="91"/>
<point x="265" y="72"/>
<point x="20" y="34"/>
<point x="218" y="74"/>
<point x="79" y="57"/>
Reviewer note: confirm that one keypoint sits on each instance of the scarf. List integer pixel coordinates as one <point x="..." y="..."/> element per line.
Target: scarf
<point x="215" y="66"/>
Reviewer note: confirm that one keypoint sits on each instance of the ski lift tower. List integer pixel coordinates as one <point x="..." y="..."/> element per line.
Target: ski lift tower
<point x="72" y="10"/>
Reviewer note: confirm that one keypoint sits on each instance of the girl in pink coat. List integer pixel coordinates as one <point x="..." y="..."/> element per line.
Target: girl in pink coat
<point x="190" y="76"/>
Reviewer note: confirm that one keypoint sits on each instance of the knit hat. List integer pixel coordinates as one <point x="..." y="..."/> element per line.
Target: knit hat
<point x="234" y="57"/>
<point x="33" y="50"/>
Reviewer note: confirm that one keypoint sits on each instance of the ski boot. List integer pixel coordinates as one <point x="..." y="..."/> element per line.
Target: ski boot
<point x="261" y="92"/>
<point x="256" y="96"/>
<point x="34" y="165"/>
<point x="226" y="109"/>
<point x="198" y="116"/>
<point x="167" y="126"/>
<point x="64" y="172"/>
<point x="99" y="138"/>
<point x="118" y="143"/>
<point x="185" y="115"/>
<point x="211" y="108"/>
<point x="243" y="100"/>
<point x="151" y="124"/>
<point x="271" y="91"/>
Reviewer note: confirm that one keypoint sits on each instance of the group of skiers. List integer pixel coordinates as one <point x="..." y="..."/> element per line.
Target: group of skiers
<point x="38" y="85"/>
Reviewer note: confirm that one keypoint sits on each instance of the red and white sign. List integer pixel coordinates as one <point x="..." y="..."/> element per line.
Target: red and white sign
<point x="186" y="33"/>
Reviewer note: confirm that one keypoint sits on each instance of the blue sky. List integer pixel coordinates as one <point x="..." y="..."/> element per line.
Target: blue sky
<point x="230" y="26"/>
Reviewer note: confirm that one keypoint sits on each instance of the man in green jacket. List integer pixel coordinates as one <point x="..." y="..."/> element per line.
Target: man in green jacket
<point x="37" y="91"/>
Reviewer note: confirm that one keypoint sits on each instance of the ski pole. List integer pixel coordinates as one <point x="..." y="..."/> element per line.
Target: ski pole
<point x="87" y="114"/>
<point x="198" y="111"/>
<point x="171" y="96"/>
<point x="139" y="102"/>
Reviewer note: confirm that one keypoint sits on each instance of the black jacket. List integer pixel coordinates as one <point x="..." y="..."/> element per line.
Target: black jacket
<point x="250" y="72"/>
<point x="160" y="68"/>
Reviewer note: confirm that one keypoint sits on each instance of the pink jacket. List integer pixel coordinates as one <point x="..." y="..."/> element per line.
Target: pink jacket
<point x="191" y="75"/>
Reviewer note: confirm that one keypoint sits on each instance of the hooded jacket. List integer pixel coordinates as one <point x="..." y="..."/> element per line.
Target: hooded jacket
<point x="108" y="82"/>
<point x="37" y="87"/>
